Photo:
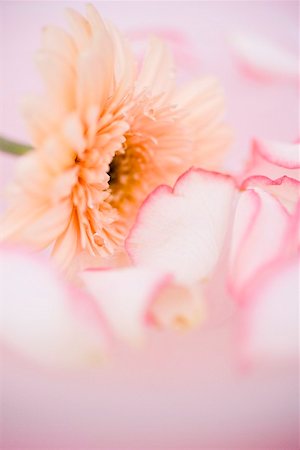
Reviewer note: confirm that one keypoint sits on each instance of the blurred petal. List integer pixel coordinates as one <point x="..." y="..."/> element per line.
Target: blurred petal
<point x="157" y="72"/>
<point x="264" y="59"/>
<point x="58" y="41"/>
<point x="41" y="318"/>
<point x="203" y="102"/>
<point x="42" y="116"/>
<point x="94" y="86"/>
<point x="125" y="296"/>
<point x="279" y="153"/>
<point x="182" y="231"/>
<point x="274" y="159"/>
<point x="59" y="77"/>
<point x="270" y="315"/>
<point x="66" y="246"/>
<point x="80" y="28"/>
<point x="38" y="234"/>
<point x="178" y="307"/>
<point x="192" y="94"/>
<point x="294" y="227"/>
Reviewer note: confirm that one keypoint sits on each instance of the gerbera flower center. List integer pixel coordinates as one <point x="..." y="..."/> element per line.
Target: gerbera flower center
<point x="125" y="172"/>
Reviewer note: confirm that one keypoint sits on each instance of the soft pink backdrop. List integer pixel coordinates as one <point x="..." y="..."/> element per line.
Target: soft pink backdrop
<point x="179" y="391"/>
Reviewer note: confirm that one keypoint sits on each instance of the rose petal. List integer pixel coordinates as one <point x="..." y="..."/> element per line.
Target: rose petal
<point x="182" y="231"/>
<point x="279" y="153"/>
<point x="258" y="236"/>
<point x="124" y="296"/>
<point x="41" y="318"/>
<point x="285" y="189"/>
<point x="178" y="307"/>
<point x="294" y="228"/>
<point x="270" y="317"/>
<point x="274" y="159"/>
<point x="264" y="59"/>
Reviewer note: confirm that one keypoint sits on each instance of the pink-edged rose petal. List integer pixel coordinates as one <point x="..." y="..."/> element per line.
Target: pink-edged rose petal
<point x="44" y="319"/>
<point x="279" y="153"/>
<point x="274" y="159"/>
<point x="285" y="189"/>
<point x="263" y="59"/>
<point x="270" y="314"/>
<point x="182" y="230"/>
<point x="125" y="296"/>
<point x="258" y="236"/>
<point x="294" y="229"/>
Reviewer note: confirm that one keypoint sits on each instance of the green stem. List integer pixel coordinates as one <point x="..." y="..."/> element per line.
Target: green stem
<point x="15" y="148"/>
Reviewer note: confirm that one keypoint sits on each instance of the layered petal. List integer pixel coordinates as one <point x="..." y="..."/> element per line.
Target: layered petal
<point x="94" y="87"/>
<point x="60" y="42"/>
<point x="203" y="102"/>
<point x="182" y="230"/>
<point x="39" y="233"/>
<point x="285" y="189"/>
<point x="157" y="72"/>
<point x="59" y="78"/>
<point x="258" y="236"/>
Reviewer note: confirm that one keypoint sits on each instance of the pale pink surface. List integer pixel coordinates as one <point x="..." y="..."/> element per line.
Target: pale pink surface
<point x="181" y="391"/>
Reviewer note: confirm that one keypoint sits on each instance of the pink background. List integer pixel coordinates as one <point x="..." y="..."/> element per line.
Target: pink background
<point x="179" y="391"/>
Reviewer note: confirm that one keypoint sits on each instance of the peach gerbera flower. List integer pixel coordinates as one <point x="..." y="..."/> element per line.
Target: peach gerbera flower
<point x="104" y="135"/>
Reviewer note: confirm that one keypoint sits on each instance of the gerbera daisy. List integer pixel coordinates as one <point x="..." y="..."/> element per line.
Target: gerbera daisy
<point x="105" y="134"/>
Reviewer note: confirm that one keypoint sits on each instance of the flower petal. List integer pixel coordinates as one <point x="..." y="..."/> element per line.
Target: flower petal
<point x="203" y="103"/>
<point x="67" y="244"/>
<point x="42" y="116"/>
<point x="124" y="296"/>
<point x="59" y="77"/>
<point x="269" y="317"/>
<point x="258" y="236"/>
<point x="41" y="318"/>
<point x="285" y="189"/>
<point x="264" y="59"/>
<point x="58" y="41"/>
<point x="95" y="86"/>
<point x="36" y="227"/>
<point x="157" y="71"/>
<point x="279" y="153"/>
<point x="182" y="231"/>
<point x="80" y="28"/>
<point x="178" y="307"/>
<point x="274" y="159"/>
